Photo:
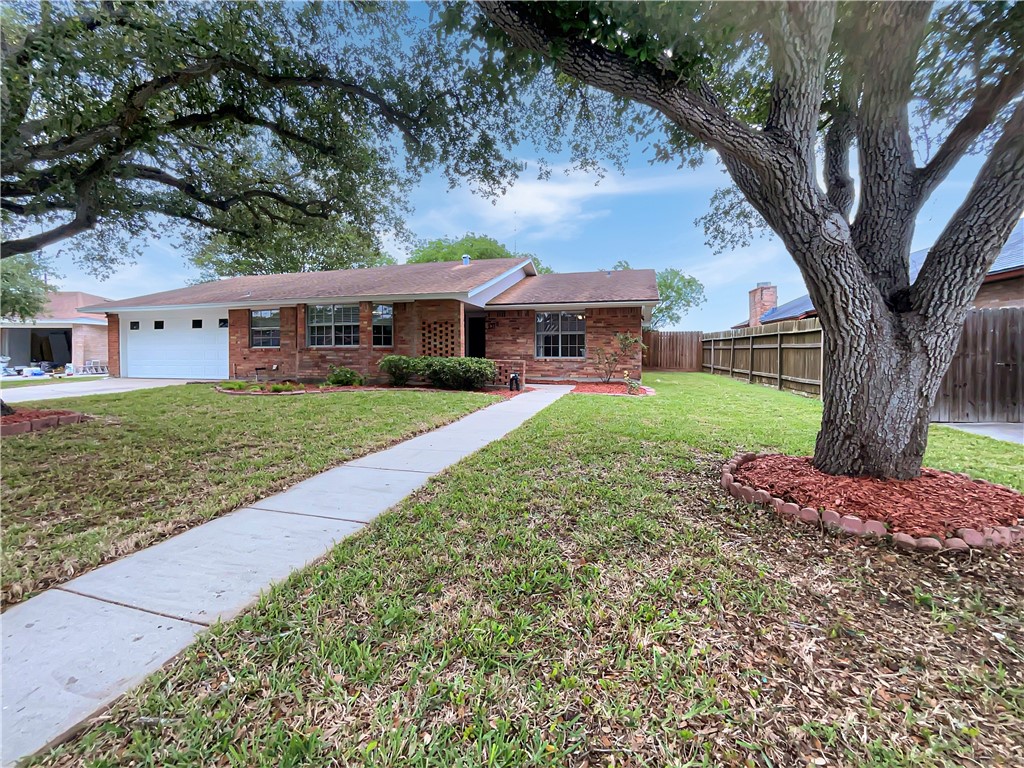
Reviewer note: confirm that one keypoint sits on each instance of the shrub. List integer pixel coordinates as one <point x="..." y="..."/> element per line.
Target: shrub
<point x="343" y="377"/>
<point x="457" y="372"/>
<point x="608" y="362"/>
<point x="233" y="385"/>
<point x="400" y="368"/>
<point x="286" y="386"/>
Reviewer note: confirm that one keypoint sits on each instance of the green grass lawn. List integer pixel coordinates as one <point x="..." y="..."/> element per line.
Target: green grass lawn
<point x="155" y="462"/>
<point x="583" y="593"/>
<point x="35" y="382"/>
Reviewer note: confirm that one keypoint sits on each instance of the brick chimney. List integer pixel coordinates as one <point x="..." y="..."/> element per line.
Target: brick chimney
<point x="762" y="298"/>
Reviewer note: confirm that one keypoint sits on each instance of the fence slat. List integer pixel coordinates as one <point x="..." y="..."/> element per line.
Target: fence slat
<point x="674" y="351"/>
<point x="985" y="381"/>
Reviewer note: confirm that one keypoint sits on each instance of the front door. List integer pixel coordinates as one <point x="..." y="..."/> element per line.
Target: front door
<point x="476" y="337"/>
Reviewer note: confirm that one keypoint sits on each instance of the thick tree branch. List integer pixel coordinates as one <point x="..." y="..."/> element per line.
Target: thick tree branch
<point x="961" y="257"/>
<point x="983" y="111"/>
<point x="85" y="219"/>
<point x="692" y="108"/>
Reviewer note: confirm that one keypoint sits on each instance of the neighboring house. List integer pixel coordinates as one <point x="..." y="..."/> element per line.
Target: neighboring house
<point x="1003" y="287"/>
<point x="61" y="334"/>
<point x="546" y="327"/>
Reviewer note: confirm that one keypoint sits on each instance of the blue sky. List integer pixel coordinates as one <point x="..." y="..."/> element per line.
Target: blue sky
<point x="572" y="223"/>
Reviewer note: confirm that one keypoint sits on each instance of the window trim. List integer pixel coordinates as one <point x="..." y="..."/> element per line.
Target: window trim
<point x="252" y="313"/>
<point x="390" y="324"/>
<point x="134" y="325"/>
<point x="157" y="327"/>
<point x="197" y="320"/>
<point x="333" y="325"/>
<point x="581" y="316"/>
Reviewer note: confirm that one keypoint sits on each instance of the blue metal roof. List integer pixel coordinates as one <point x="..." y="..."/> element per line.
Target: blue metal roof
<point x="1010" y="258"/>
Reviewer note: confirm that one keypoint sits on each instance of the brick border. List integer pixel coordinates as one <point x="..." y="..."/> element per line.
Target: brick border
<point x="42" y="423"/>
<point x="850" y="525"/>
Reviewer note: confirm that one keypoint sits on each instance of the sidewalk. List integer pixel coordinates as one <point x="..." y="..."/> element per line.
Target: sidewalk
<point x="70" y="651"/>
<point x="83" y="388"/>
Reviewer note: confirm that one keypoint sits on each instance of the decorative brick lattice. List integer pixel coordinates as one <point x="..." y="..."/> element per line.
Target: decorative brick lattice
<point x="506" y="368"/>
<point x="440" y="339"/>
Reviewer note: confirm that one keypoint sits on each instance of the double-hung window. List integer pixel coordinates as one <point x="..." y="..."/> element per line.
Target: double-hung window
<point x="332" y="325"/>
<point x="561" y="334"/>
<point x="265" y="328"/>
<point x="383" y="325"/>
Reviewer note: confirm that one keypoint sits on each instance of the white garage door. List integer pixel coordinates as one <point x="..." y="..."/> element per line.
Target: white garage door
<point x="183" y="344"/>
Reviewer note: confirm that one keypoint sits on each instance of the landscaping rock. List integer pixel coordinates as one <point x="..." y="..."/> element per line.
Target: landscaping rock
<point x="70" y="418"/>
<point x="874" y="528"/>
<point x="929" y="544"/>
<point x="808" y="515"/>
<point x="904" y="541"/>
<point x="971" y="537"/>
<point x="18" y="428"/>
<point x="830" y="518"/>
<point x="747" y="494"/>
<point x="762" y="497"/>
<point x="957" y="545"/>
<point x="44" y="422"/>
<point x="852" y="525"/>
<point x="726" y="480"/>
<point x="790" y="510"/>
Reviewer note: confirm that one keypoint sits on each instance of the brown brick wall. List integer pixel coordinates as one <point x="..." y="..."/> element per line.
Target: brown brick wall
<point x="89" y="342"/>
<point x="1004" y="293"/>
<point x="114" y="345"/>
<point x="295" y="359"/>
<point x="511" y="335"/>
<point x="761" y="299"/>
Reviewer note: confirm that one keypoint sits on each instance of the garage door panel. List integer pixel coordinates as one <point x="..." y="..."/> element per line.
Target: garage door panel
<point x="176" y="351"/>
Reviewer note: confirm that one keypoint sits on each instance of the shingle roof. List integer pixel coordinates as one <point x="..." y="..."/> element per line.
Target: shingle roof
<point x="400" y="280"/>
<point x="619" y="286"/>
<point x="1010" y="258"/>
<point x="63" y="305"/>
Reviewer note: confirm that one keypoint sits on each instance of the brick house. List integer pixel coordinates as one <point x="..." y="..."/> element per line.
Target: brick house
<point x="60" y="334"/>
<point x="296" y="326"/>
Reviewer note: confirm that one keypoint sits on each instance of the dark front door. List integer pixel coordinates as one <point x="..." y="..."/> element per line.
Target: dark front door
<point x="476" y="337"/>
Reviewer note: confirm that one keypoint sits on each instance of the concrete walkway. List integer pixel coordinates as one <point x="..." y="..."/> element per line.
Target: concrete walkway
<point x="70" y="651"/>
<point x="82" y="388"/>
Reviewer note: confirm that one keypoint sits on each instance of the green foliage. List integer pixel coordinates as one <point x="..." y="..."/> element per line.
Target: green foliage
<point x="457" y="372"/>
<point x="23" y="286"/>
<point x="399" y="368"/>
<point x="285" y="386"/>
<point x="679" y="294"/>
<point x="234" y="386"/>
<point x="472" y="245"/>
<point x="340" y="376"/>
<point x="314" y="247"/>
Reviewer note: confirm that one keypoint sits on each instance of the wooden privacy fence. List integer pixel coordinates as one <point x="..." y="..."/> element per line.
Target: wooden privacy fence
<point x="672" y="350"/>
<point x="985" y="381"/>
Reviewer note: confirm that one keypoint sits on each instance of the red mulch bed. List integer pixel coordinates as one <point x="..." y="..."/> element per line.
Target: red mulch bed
<point x="502" y="391"/>
<point x="27" y="414"/>
<point x="611" y="388"/>
<point x="935" y="502"/>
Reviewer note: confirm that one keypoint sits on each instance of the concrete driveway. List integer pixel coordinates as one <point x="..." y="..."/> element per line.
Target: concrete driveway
<point x="1000" y="430"/>
<point x="81" y="388"/>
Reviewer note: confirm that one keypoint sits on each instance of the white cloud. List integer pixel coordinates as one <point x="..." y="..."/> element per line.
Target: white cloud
<point x="555" y="208"/>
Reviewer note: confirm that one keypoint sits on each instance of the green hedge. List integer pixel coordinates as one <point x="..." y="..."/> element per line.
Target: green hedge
<point x="443" y="372"/>
<point x="343" y="377"/>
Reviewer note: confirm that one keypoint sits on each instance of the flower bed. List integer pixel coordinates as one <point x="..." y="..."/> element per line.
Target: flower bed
<point x="939" y="510"/>
<point x="610" y="388"/>
<point x="30" y="420"/>
<point x="311" y="389"/>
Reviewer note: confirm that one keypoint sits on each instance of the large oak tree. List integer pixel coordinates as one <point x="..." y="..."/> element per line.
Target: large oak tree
<point x="786" y="93"/>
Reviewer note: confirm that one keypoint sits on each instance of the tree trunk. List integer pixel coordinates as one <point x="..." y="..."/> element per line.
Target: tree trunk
<point x="878" y="393"/>
<point x="5" y="409"/>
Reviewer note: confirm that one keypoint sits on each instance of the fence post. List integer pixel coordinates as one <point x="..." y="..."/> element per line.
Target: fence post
<point x="750" y="359"/>
<point x="778" y="352"/>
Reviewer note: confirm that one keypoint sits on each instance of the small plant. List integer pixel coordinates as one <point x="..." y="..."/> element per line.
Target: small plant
<point x="399" y="368"/>
<point x="608" y="362"/>
<point x="458" y="372"/>
<point x="340" y="376"/>
<point x="632" y="385"/>
<point x="286" y="386"/>
<point x="233" y="386"/>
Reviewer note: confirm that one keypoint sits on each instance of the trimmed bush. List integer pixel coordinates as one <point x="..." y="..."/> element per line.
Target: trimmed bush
<point x="284" y="387"/>
<point x="234" y="385"/>
<point x="343" y="377"/>
<point x="399" y="368"/>
<point x="457" y="372"/>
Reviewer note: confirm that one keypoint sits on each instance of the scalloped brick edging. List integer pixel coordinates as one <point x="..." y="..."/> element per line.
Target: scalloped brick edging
<point x="41" y="424"/>
<point x="850" y="525"/>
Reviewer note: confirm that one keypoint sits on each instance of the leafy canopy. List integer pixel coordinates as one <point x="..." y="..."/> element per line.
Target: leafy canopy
<point x="678" y="294"/>
<point x="472" y="245"/>
<point x="23" y="287"/>
<point x="315" y="247"/>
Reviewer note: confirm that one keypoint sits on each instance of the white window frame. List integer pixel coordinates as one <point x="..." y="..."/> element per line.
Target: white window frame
<point x="254" y="329"/>
<point x="383" y="319"/>
<point x="334" y="325"/>
<point x="578" y="317"/>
